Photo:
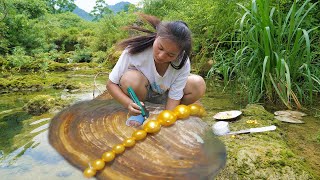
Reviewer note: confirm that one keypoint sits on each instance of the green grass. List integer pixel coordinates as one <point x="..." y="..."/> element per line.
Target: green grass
<point x="278" y="51"/>
<point x="272" y="55"/>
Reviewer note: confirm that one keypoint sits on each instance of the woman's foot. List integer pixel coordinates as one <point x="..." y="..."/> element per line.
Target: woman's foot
<point x="135" y="121"/>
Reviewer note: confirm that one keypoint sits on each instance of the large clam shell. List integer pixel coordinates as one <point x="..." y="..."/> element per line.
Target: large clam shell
<point x="289" y="116"/>
<point x="186" y="150"/>
<point x="294" y="114"/>
<point x="289" y="119"/>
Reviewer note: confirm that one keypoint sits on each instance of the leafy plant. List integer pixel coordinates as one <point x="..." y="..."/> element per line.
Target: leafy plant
<point x="274" y="52"/>
<point x="82" y="55"/>
<point x="19" y="59"/>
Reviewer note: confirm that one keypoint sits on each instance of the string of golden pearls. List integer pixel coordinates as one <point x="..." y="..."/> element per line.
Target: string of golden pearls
<point x="165" y="118"/>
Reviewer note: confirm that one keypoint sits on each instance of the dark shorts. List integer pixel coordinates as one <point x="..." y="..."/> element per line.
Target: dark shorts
<point x="156" y="98"/>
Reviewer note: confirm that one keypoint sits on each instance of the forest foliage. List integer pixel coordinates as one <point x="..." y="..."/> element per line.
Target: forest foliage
<point x="234" y="41"/>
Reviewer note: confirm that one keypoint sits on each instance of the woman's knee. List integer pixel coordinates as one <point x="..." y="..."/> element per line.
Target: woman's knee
<point x="137" y="81"/>
<point x="197" y="85"/>
<point x="194" y="90"/>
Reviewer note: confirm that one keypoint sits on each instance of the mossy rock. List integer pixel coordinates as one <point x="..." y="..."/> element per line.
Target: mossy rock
<point x="58" y="67"/>
<point x="62" y="84"/>
<point x="257" y="110"/>
<point x="42" y="104"/>
<point x="21" y="83"/>
<point x="264" y="155"/>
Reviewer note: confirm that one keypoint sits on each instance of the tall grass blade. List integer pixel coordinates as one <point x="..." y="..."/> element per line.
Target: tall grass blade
<point x="279" y="93"/>
<point x="307" y="39"/>
<point x="310" y="81"/>
<point x="286" y="20"/>
<point x="306" y="13"/>
<point x="288" y="79"/>
<point x="265" y="61"/>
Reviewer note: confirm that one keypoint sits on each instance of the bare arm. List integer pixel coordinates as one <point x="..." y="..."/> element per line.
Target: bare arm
<point x="117" y="93"/>
<point x="171" y="104"/>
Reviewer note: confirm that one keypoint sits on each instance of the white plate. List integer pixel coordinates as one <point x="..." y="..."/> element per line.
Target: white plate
<point x="227" y="115"/>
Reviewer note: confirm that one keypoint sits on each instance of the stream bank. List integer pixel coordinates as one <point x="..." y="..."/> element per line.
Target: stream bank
<point x="290" y="152"/>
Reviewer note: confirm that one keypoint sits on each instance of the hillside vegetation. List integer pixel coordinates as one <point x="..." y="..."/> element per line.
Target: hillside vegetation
<point x="267" y="48"/>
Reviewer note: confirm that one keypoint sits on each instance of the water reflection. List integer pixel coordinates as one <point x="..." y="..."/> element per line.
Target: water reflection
<point x="32" y="156"/>
<point x="44" y="127"/>
<point x="39" y="121"/>
<point x="25" y="152"/>
<point x="39" y="162"/>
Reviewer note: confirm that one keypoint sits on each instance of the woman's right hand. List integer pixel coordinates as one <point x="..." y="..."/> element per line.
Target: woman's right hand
<point x="134" y="109"/>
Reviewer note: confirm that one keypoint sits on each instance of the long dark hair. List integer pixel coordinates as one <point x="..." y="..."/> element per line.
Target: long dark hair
<point x="177" y="31"/>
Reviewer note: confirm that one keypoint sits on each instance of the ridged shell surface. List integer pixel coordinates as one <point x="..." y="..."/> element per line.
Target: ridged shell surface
<point x="185" y="150"/>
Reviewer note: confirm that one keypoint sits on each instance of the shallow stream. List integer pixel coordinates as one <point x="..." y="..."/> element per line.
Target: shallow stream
<point x="26" y="154"/>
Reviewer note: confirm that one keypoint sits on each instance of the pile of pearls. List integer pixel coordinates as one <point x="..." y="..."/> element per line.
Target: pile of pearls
<point x="165" y="118"/>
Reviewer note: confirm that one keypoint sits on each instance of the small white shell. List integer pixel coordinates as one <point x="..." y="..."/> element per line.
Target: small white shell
<point x="227" y="115"/>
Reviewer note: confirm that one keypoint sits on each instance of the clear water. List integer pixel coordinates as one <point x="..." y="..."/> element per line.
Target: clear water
<point x="36" y="159"/>
<point x="39" y="162"/>
<point x="26" y="153"/>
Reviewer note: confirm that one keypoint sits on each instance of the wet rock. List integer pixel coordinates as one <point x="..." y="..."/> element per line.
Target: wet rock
<point x="257" y="110"/>
<point x="42" y="104"/>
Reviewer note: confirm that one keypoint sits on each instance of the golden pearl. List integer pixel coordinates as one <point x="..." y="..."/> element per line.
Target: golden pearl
<point x="166" y="118"/>
<point x="139" y="134"/>
<point x="194" y="109"/>
<point x="129" y="142"/>
<point x="89" y="172"/>
<point x="98" y="164"/>
<point x="182" y="111"/>
<point x="152" y="126"/>
<point x="108" y="156"/>
<point x="202" y="112"/>
<point x="118" y="149"/>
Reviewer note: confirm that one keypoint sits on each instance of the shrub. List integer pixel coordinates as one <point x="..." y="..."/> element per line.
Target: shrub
<point x="19" y="59"/>
<point x="99" y="56"/>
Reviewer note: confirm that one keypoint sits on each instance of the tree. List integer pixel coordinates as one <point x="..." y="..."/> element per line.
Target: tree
<point x="60" y="6"/>
<point x="100" y="10"/>
<point x="17" y="24"/>
<point x="32" y="9"/>
<point x="3" y="10"/>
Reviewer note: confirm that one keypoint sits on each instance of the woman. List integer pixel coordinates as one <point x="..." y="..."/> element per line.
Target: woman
<point x="157" y="67"/>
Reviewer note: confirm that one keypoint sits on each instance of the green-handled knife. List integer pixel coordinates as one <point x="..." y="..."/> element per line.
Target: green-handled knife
<point x="135" y="99"/>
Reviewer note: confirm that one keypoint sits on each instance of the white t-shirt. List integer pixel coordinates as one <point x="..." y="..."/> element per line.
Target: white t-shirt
<point x="173" y="80"/>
